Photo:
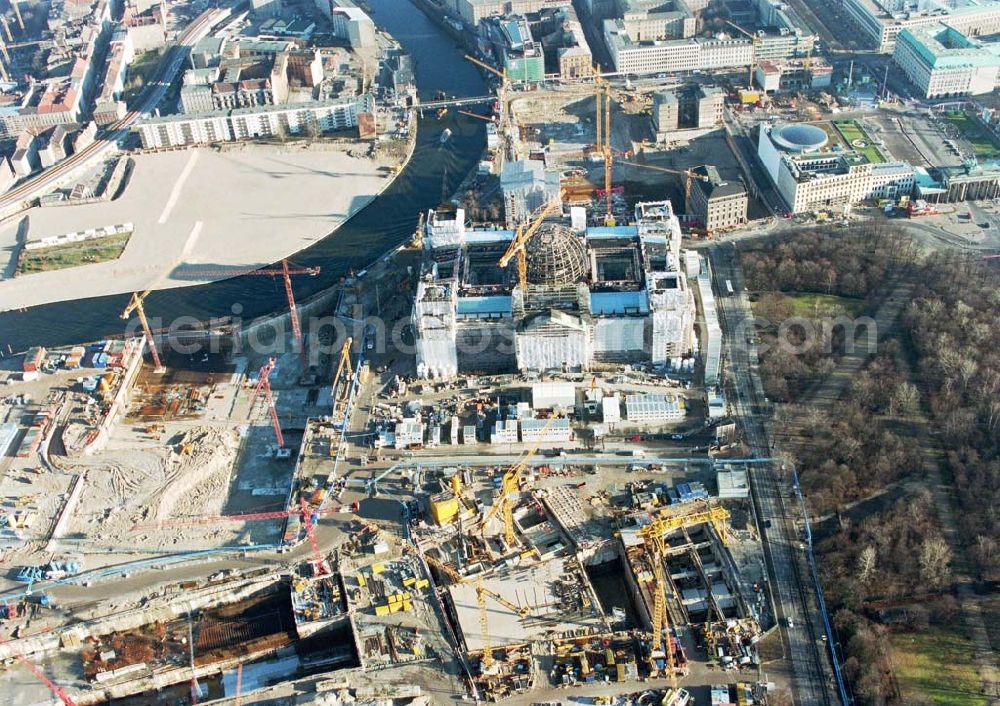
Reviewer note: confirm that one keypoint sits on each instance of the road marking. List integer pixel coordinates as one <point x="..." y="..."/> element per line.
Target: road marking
<point x="191" y="240"/>
<point x="175" y="193"/>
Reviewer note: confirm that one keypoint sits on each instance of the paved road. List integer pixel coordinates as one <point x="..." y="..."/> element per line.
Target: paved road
<point x="13" y="200"/>
<point x="776" y="514"/>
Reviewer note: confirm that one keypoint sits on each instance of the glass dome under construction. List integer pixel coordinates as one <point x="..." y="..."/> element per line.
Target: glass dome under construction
<point x="799" y="137"/>
<point x="556" y="256"/>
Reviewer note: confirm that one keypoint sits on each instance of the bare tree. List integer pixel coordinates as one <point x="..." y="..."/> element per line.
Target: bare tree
<point x="935" y="560"/>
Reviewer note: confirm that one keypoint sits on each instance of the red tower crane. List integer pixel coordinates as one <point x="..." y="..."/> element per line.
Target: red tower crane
<point x="304" y="511"/>
<point x="285" y="272"/>
<point x="264" y="383"/>
<point x="57" y="690"/>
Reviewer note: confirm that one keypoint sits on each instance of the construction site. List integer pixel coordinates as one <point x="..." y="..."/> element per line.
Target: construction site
<point x="529" y="490"/>
<point x="611" y="146"/>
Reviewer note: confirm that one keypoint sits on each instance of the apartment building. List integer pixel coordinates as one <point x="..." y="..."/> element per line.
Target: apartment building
<point x="249" y="123"/>
<point x="717" y="203"/>
<point x="472" y="12"/>
<point x="942" y="62"/>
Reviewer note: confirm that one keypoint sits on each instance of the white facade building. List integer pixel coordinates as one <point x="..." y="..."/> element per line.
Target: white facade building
<point x="504" y="432"/>
<point x="248" y="123"/>
<point x="941" y="61"/>
<point x="673" y="55"/>
<point x="409" y="432"/>
<point x="652" y="409"/>
<point x="810" y="177"/>
<point x="882" y="21"/>
<point x="549" y="395"/>
<point x="535" y="431"/>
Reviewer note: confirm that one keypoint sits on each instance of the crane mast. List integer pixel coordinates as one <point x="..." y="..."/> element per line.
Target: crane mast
<point x="264" y="384"/>
<point x="136" y="305"/>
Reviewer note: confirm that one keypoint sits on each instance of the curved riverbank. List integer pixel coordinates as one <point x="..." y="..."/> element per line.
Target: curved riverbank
<point x="390" y="219"/>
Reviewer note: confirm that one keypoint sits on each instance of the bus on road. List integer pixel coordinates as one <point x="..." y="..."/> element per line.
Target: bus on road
<point x="729" y="288"/>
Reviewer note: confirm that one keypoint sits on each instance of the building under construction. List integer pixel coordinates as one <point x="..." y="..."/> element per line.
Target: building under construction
<point x="580" y="295"/>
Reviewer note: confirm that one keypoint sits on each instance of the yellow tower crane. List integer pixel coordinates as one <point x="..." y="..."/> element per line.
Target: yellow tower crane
<point x="340" y="388"/>
<point x="509" y="485"/>
<point x="135" y="304"/>
<point x="484" y="624"/>
<point x="653" y="535"/>
<point x="522" y="235"/>
<point x="753" y="50"/>
<point x="688" y="173"/>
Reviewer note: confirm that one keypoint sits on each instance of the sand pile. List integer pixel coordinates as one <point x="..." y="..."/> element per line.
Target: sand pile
<point x="198" y="479"/>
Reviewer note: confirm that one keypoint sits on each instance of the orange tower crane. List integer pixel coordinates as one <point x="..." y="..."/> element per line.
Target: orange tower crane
<point x="264" y="383"/>
<point x="135" y="304"/>
<point x="56" y="690"/>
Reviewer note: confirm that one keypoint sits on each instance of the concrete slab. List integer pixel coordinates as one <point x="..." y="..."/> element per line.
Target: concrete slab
<point x="532" y="587"/>
<point x="200" y="215"/>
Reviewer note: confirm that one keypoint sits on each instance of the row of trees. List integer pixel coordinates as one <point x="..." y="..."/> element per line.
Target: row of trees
<point x="892" y="569"/>
<point x="855" y="263"/>
<point x="955" y="331"/>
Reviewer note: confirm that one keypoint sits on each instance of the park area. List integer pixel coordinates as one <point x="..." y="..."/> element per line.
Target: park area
<point x="974" y="133"/>
<point x="858" y="140"/>
<point x="937" y="664"/>
<point x="811" y="304"/>
<point x="84" y="252"/>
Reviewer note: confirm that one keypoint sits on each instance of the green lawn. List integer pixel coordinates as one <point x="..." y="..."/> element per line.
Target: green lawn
<point x="810" y="304"/>
<point x="72" y="254"/>
<point x="972" y="131"/>
<point x="851" y="131"/>
<point x="938" y="664"/>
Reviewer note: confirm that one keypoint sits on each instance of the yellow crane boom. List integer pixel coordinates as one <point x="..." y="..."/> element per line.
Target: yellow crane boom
<point x="753" y="49"/>
<point x="484" y="623"/>
<point x="522" y="235"/>
<point x="688" y="173"/>
<point x="135" y="304"/>
<point x="509" y="485"/>
<point x="342" y="379"/>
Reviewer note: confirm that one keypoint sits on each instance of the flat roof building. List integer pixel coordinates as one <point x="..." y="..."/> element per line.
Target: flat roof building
<point x="718" y="204"/>
<point x="809" y="176"/>
<point x="881" y="21"/>
<point x="943" y="62"/>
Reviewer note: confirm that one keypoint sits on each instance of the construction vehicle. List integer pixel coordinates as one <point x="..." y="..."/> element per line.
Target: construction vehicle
<point x="264" y="384"/>
<point x="602" y="146"/>
<point x="509" y="485"/>
<point x="136" y="305"/>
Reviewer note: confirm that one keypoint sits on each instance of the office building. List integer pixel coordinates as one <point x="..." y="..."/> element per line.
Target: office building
<point x="510" y="41"/>
<point x="640" y="56"/>
<point x="719" y="204"/>
<point x="882" y="21"/>
<point x="942" y="62"/>
<point x="249" y="123"/>
<point x="810" y="175"/>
